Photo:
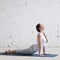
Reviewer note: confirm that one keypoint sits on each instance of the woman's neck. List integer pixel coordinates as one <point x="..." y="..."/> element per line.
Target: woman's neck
<point x="42" y="31"/>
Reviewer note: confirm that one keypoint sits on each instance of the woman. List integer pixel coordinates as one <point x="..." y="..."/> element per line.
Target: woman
<point x="41" y="37"/>
<point x="42" y="40"/>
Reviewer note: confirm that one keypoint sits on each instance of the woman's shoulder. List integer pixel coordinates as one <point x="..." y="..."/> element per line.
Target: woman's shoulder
<point x="39" y="35"/>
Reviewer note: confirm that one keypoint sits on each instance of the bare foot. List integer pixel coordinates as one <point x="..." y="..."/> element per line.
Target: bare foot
<point x="7" y="51"/>
<point x="10" y="51"/>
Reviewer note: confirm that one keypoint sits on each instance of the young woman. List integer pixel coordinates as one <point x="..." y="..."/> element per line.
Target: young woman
<point x="42" y="40"/>
<point x="41" y="37"/>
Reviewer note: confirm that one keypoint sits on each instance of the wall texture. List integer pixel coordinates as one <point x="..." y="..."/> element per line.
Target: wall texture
<point x="18" y="19"/>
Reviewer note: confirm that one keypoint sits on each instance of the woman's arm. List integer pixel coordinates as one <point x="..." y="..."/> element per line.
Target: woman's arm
<point x="39" y="43"/>
<point x="45" y="37"/>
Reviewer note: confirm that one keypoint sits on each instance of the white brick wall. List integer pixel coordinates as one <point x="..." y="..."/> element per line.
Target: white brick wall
<point x="18" y="19"/>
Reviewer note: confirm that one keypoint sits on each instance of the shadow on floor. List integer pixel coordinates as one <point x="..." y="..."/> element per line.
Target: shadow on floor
<point x="47" y="55"/>
<point x="34" y="55"/>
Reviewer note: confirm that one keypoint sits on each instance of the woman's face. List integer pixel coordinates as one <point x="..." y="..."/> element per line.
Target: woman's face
<point x="42" y="27"/>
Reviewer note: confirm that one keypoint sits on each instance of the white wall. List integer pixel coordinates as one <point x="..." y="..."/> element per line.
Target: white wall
<point x="18" y="19"/>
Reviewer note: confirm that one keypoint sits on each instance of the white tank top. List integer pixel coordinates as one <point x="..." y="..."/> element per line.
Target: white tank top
<point x="35" y="46"/>
<point x="43" y="39"/>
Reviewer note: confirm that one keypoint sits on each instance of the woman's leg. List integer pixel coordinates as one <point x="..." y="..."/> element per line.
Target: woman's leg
<point x="26" y="51"/>
<point x="29" y="50"/>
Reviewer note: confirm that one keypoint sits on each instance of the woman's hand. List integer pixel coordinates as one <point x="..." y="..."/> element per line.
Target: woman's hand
<point x="46" y="41"/>
<point x="40" y="54"/>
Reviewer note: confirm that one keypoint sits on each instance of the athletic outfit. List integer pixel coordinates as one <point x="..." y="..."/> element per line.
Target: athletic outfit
<point x="33" y="48"/>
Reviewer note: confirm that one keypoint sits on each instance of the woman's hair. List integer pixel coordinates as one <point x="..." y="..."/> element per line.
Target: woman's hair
<point x="37" y="27"/>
